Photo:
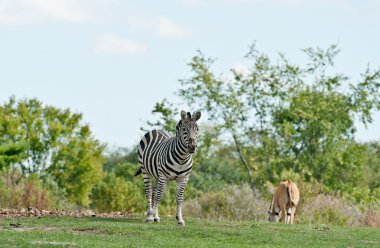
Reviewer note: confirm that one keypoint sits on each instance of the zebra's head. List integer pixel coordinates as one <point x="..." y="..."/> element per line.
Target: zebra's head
<point x="187" y="129"/>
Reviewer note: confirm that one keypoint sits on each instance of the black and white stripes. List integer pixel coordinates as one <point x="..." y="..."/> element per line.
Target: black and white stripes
<point x="165" y="156"/>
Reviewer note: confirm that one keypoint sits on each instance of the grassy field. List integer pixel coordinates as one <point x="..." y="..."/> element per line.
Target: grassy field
<point x="133" y="232"/>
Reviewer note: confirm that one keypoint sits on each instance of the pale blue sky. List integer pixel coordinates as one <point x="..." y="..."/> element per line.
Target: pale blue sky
<point x="112" y="60"/>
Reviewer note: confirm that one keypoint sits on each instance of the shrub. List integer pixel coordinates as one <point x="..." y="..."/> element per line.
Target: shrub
<point x="372" y="218"/>
<point x="329" y="209"/>
<point x="233" y="203"/>
<point x="329" y="215"/>
<point x="116" y="194"/>
<point x="18" y="191"/>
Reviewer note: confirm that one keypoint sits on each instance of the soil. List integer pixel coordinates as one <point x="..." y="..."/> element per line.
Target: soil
<point x="33" y="212"/>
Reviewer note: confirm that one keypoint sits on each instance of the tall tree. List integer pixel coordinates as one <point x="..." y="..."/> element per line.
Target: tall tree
<point x="282" y="116"/>
<point x="221" y="100"/>
<point x="55" y="143"/>
<point x="12" y="153"/>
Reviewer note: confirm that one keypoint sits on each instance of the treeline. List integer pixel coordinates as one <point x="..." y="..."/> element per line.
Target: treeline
<point x="282" y="120"/>
<point x="268" y="122"/>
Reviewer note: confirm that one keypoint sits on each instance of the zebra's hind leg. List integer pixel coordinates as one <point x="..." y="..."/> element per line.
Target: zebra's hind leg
<point x="148" y="194"/>
<point x="181" y="185"/>
<point x="156" y="217"/>
<point x="158" y="195"/>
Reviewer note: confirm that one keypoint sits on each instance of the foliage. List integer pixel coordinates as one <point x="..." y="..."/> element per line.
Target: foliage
<point x="12" y="153"/>
<point x="17" y="191"/>
<point x="52" y="143"/>
<point x="283" y="116"/>
<point x="372" y="165"/>
<point x="115" y="194"/>
<point x="372" y="218"/>
<point x="215" y="169"/>
<point x="275" y="120"/>
<point x="232" y="203"/>
<point x="330" y="209"/>
<point x="220" y="99"/>
<point x="167" y="117"/>
<point x="77" y="168"/>
<point x="363" y="196"/>
<point x="329" y="216"/>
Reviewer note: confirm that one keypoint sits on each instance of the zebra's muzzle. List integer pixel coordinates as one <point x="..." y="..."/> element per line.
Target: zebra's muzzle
<point x="191" y="149"/>
<point x="192" y="145"/>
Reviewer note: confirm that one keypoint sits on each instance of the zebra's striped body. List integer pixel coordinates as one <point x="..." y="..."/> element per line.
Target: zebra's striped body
<point x="166" y="157"/>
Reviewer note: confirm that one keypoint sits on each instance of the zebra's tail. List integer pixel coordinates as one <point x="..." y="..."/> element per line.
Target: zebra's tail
<point x="138" y="172"/>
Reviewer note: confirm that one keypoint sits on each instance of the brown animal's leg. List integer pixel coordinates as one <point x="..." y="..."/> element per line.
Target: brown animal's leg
<point x="292" y="216"/>
<point x="288" y="217"/>
<point x="277" y="214"/>
<point x="283" y="214"/>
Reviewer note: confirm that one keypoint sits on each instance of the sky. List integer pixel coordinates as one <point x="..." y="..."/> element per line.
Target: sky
<point x="112" y="60"/>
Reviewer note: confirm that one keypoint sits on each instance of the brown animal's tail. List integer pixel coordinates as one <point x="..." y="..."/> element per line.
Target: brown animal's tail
<point x="290" y="195"/>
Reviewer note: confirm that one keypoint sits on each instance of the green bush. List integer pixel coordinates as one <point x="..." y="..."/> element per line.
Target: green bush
<point x="329" y="216"/>
<point x="116" y="194"/>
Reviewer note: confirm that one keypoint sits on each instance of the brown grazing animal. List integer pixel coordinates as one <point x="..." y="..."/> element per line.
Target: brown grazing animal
<point x="285" y="200"/>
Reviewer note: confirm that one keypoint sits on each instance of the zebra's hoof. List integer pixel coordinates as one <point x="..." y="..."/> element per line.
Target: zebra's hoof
<point x="156" y="219"/>
<point x="181" y="224"/>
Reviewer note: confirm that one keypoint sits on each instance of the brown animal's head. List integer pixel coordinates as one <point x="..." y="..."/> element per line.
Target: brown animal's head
<point x="187" y="130"/>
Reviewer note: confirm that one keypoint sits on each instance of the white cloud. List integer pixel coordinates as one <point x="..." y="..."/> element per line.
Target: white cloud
<point x="26" y="11"/>
<point x="111" y="43"/>
<point x="162" y="26"/>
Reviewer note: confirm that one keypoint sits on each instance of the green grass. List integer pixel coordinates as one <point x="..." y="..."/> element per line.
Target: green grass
<point x="134" y="232"/>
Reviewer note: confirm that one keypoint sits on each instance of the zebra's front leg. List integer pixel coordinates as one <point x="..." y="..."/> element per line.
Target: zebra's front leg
<point x="159" y="194"/>
<point x="156" y="216"/>
<point x="181" y="185"/>
<point x="148" y="194"/>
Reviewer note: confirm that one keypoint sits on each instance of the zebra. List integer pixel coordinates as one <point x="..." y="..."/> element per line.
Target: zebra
<point x="166" y="157"/>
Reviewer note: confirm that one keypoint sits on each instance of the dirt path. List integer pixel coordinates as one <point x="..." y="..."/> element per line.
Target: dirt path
<point x="33" y="212"/>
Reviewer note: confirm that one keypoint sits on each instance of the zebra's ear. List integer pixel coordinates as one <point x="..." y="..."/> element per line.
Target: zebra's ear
<point x="197" y="115"/>
<point x="183" y="115"/>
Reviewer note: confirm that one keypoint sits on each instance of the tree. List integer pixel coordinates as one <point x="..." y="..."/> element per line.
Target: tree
<point x="316" y="124"/>
<point x="282" y="116"/>
<point x="220" y="99"/>
<point x="372" y="165"/>
<point x="168" y="117"/>
<point x="55" y="143"/>
<point x="11" y="154"/>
